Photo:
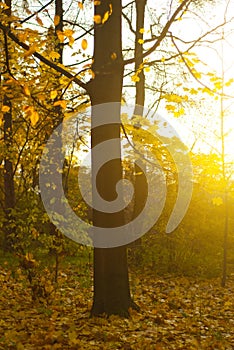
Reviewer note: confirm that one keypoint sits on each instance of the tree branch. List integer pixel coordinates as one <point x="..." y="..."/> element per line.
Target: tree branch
<point x="35" y="13"/>
<point x="193" y="75"/>
<point x="49" y="63"/>
<point x="163" y="33"/>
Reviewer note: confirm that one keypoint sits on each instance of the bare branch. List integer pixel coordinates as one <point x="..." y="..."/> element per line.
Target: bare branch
<point x="163" y="33"/>
<point x="35" y="13"/>
<point x="129" y="23"/>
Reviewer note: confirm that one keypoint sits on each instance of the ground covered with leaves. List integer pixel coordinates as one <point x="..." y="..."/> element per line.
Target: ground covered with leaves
<point x="176" y="313"/>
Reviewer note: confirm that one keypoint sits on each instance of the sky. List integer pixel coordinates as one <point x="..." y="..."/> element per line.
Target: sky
<point x="203" y="126"/>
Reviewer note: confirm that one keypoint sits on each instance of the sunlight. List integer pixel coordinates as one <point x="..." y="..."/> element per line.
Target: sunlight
<point x="204" y="128"/>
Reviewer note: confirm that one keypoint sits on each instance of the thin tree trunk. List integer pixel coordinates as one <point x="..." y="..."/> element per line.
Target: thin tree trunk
<point x="140" y="181"/>
<point x="59" y="117"/>
<point x="225" y="240"/>
<point x="224" y="170"/>
<point x="9" y="187"/>
<point x="140" y="85"/>
<point x="59" y="27"/>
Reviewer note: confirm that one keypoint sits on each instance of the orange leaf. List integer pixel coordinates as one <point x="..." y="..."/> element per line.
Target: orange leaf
<point x="26" y="90"/>
<point x="84" y="44"/>
<point x="34" y="117"/>
<point x="61" y="103"/>
<point x="80" y="5"/>
<point x="5" y="109"/>
<point x="60" y="35"/>
<point x="97" y="19"/>
<point x="56" y="20"/>
<point x="71" y="40"/>
<point x="39" y="21"/>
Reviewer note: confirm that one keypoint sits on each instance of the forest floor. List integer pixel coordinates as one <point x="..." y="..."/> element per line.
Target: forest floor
<point x="176" y="313"/>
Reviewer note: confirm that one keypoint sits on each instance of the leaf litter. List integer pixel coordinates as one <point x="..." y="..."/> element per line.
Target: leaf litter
<point x="175" y="313"/>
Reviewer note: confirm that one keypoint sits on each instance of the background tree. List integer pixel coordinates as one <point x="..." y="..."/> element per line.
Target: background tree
<point x="9" y="187"/>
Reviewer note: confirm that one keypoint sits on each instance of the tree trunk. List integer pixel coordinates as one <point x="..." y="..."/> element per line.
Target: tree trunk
<point x="140" y="85"/>
<point x="140" y="185"/>
<point x="9" y="186"/>
<point x="59" y="27"/>
<point x="111" y="282"/>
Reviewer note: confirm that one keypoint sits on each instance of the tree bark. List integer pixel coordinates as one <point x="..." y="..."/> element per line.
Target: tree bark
<point x="140" y="186"/>
<point x="111" y="282"/>
<point x="9" y="186"/>
<point x="140" y="85"/>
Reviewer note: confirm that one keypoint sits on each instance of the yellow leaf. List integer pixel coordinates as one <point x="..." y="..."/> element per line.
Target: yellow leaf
<point x="68" y="32"/>
<point x="56" y="20"/>
<point x="5" y="109"/>
<point x="60" y="35"/>
<point x="208" y="91"/>
<point x="80" y="5"/>
<point x="54" y="55"/>
<point x="170" y="107"/>
<point x="193" y="91"/>
<point x="26" y="90"/>
<point x="197" y="74"/>
<point x="61" y="103"/>
<point x="141" y="41"/>
<point x="53" y="94"/>
<point x="84" y="44"/>
<point x="142" y="30"/>
<point x="181" y="111"/>
<point x="28" y="256"/>
<point x="196" y="60"/>
<point x="97" y="19"/>
<point x="229" y="82"/>
<point x="105" y="17"/>
<point x="71" y="40"/>
<point x="111" y="9"/>
<point x="97" y="3"/>
<point x="34" y="117"/>
<point x="135" y="78"/>
<point x="35" y="233"/>
<point x="178" y="113"/>
<point x="218" y="85"/>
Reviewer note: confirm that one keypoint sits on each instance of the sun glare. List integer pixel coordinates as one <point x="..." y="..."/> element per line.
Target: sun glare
<point x="204" y="128"/>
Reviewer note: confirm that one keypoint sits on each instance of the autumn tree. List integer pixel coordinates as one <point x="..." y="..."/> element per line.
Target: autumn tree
<point x="102" y="81"/>
<point x="9" y="186"/>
